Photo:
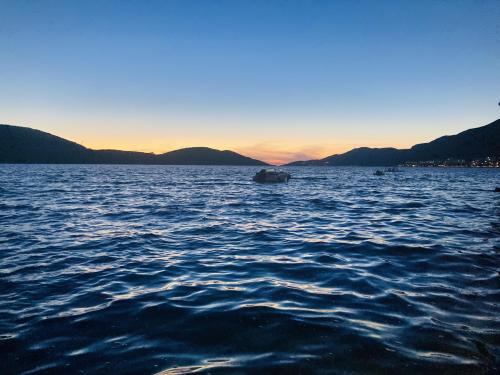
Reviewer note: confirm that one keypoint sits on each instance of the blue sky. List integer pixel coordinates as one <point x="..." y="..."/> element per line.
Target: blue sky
<point x="278" y="80"/>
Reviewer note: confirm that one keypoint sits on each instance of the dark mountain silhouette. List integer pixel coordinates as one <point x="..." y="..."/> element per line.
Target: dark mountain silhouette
<point x="470" y="144"/>
<point x="24" y="145"/>
<point x="363" y="156"/>
<point x="205" y="155"/>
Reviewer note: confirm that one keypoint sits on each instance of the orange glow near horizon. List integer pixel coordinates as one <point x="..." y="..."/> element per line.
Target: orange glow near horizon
<point x="275" y="153"/>
<point x="274" y="140"/>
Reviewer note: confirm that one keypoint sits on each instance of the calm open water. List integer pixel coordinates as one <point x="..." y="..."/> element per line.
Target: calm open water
<point x="144" y="269"/>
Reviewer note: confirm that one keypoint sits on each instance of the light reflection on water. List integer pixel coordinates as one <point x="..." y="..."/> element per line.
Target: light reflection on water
<point x="144" y="269"/>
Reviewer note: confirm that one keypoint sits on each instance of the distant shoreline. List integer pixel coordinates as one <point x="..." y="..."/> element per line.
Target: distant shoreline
<point x="253" y="166"/>
<point x="477" y="147"/>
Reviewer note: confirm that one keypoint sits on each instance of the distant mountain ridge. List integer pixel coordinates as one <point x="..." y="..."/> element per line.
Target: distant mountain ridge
<point x="25" y="145"/>
<point x="468" y="145"/>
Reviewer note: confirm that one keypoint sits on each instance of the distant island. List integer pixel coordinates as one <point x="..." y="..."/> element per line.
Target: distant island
<point x="25" y="145"/>
<point x="473" y="147"/>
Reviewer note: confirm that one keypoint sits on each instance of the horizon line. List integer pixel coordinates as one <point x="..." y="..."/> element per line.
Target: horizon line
<point x="276" y="162"/>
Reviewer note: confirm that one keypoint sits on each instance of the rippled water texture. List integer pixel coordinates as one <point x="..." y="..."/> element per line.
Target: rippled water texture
<point x="144" y="269"/>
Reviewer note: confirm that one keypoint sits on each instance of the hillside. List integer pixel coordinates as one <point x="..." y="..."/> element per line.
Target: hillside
<point x="469" y="144"/>
<point x="24" y="145"/>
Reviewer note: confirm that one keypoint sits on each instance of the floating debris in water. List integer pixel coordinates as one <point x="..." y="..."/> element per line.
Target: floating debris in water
<point x="271" y="176"/>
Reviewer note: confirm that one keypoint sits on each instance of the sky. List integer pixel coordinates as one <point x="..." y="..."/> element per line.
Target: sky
<point x="275" y="80"/>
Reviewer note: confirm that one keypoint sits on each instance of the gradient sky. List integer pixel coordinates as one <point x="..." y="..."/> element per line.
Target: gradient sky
<point x="276" y="80"/>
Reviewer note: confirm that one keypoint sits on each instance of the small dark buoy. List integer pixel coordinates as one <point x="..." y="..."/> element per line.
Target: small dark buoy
<point x="497" y="190"/>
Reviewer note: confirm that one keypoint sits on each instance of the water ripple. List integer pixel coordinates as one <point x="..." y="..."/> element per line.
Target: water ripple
<point x="171" y="270"/>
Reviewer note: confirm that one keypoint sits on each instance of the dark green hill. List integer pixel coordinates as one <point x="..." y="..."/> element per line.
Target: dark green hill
<point x="24" y="145"/>
<point x="470" y="144"/>
<point x="205" y="155"/>
<point x="366" y="156"/>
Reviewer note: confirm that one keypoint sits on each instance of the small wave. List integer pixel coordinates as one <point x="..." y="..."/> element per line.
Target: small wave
<point x="182" y="269"/>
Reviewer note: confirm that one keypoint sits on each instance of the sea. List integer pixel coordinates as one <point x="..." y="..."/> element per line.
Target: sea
<point x="128" y="269"/>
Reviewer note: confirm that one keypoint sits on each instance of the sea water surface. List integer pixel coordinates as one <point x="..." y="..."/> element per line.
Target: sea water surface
<point x="176" y="269"/>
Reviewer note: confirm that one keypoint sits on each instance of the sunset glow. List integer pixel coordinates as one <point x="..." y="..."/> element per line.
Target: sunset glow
<point x="240" y="76"/>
